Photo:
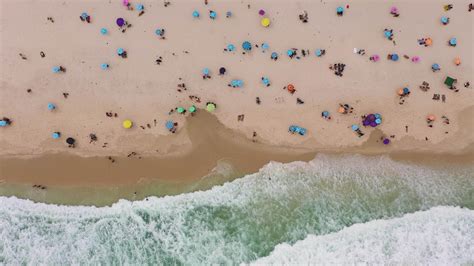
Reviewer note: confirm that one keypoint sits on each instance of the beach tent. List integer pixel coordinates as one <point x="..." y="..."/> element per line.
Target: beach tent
<point x="211" y="107"/>
<point x="449" y="81"/>
<point x="354" y="127"/>
<point x="120" y="51"/>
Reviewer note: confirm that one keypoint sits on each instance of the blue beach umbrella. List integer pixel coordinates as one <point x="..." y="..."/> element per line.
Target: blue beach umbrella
<point x="120" y="51"/>
<point x="212" y="14"/>
<point x="265" y="81"/>
<point x="339" y="9"/>
<point x="3" y="123"/>
<point x="377" y="115"/>
<point x="453" y="41"/>
<point x="354" y="127"/>
<point x="103" y="31"/>
<point x="84" y="15"/>
<point x="51" y="106"/>
<point x="265" y="46"/>
<point x="205" y="71"/>
<point x="230" y="47"/>
<point x="274" y="55"/>
<point x="325" y="113"/>
<point x="158" y="32"/>
<point x="387" y="33"/>
<point x="394" y="57"/>
<point x="56" y="69"/>
<point x="406" y="90"/>
<point x="247" y="46"/>
<point x="290" y="52"/>
<point x="228" y="14"/>
<point x="104" y="66"/>
<point x="378" y="121"/>
<point x="139" y="7"/>
<point x="56" y="135"/>
<point x="444" y="20"/>
<point x="196" y="14"/>
<point x="435" y="66"/>
<point x="169" y="124"/>
<point x="318" y="52"/>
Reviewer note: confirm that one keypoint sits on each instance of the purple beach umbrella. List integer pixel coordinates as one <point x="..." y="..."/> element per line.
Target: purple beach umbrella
<point x="120" y="22"/>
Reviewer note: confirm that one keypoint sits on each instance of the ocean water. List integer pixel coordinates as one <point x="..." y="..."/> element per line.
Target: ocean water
<point x="349" y="209"/>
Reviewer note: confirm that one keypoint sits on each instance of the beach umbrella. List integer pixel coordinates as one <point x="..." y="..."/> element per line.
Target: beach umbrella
<point x="230" y="47"/>
<point x="377" y="115"/>
<point x="393" y="10"/>
<point x="222" y="70"/>
<point x="211" y="107"/>
<point x="192" y="109"/>
<point x="339" y="10"/>
<point x="415" y="59"/>
<point x="212" y="14"/>
<point x="56" y="69"/>
<point x="406" y="90"/>
<point x="429" y="41"/>
<point x="169" y="125"/>
<point x="376" y="57"/>
<point x="435" y="67"/>
<point x="56" y="135"/>
<point x="290" y="52"/>
<point x="228" y="14"/>
<point x="127" y="124"/>
<point x="386" y="141"/>
<point x="104" y="66"/>
<point x="139" y="7"/>
<point x="265" y="22"/>
<point x="84" y="15"/>
<point x="457" y="61"/>
<point x="449" y="81"/>
<point x="51" y="106"/>
<point x="3" y="123"/>
<point x="120" y="22"/>
<point x="394" y="57"/>
<point x="181" y="110"/>
<point x="373" y="124"/>
<point x="378" y="121"/>
<point x="318" y="52"/>
<point x="365" y="123"/>
<point x="103" y="31"/>
<point x="120" y="51"/>
<point x="341" y="110"/>
<point x="125" y="2"/>
<point x="236" y="83"/>
<point x="265" y="81"/>
<point x="453" y="41"/>
<point x="387" y="33"/>
<point x="444" y="20"/>
<point x="70" y="141"/>
<point x="205" y="71"/>
<point x="400" y="92"/>
<point x="159" y="32"/>
<point x="274" y="55"/>
<point x="325" y="113"/>
<point x="354" y="127"/>
<point x="196" y="14"/>
<point x="247" y="46"/>
<point x="265" y="46"/>
<point x="261" y="12"/>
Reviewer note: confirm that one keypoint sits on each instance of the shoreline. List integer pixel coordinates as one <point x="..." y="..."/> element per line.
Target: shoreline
<point x="218" y="155"/>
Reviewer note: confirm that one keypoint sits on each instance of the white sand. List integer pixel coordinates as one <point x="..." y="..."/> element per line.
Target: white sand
<point x="138" y="89"/>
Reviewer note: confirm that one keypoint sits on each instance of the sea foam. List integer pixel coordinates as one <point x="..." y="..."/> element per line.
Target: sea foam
<point x="237" y="222"/>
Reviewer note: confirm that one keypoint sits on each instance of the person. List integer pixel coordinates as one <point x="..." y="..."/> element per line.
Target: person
<point x="222" y="71"/>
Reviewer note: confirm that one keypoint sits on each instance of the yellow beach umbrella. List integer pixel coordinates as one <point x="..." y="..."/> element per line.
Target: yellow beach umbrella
<point x="211" y="107"/>
<point x="265" y="22"/>
<point x="127" y="123"/>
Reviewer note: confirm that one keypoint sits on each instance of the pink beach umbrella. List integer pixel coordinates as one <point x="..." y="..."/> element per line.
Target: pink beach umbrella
<point x="394" y="10"/>
<point x="125" y="2"/>
<point x="375" y="57"/>
<point x="415" y="59"/>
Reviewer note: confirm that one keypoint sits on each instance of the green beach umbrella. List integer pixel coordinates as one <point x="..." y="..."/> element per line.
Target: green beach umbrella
<point x="180" y="110"/>
<point x="192" y="109"/>
<point x="211" y="107"/>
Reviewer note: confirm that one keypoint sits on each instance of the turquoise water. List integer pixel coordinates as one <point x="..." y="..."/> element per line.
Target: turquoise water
<point x="285" y="206"/>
